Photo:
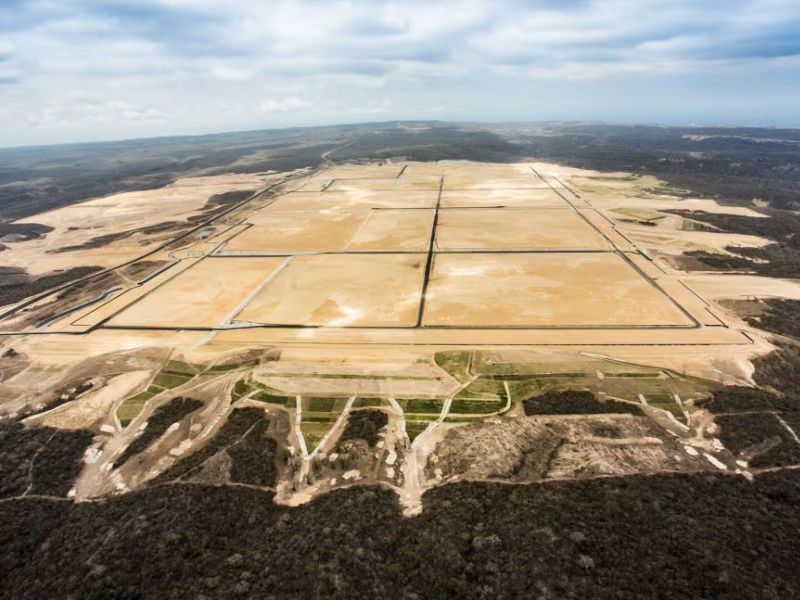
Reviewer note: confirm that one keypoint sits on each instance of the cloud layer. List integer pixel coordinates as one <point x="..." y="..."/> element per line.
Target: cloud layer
<point x="86" y="69"/>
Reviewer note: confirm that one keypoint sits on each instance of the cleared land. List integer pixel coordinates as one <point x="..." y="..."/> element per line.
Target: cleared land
<point x="511" y="198"/>
<point x="302" y="231"/>
<point x="202" y="296"/>
<point x="544" y="290"/>
<point x="516" y="229"/>
<point x="394" y="230"/>
<point x="356" y="200"/>
<point x="342" y="290"/>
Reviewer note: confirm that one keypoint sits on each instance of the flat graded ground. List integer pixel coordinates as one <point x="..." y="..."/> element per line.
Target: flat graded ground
<point x="342" y="290"/>
<point x="516" y="229"/>
<point x="202" y="296"/>
<point x="301" y="231"/>
<point x="356" y="200"/>
<point x="399" y="184"/>
<point x="544" y="290"/>
<point x="394" y="230"/>
<point x="511" y="198"/>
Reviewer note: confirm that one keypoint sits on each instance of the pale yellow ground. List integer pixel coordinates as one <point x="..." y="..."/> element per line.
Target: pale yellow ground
<point x="742" y="286"/>
<point x="202" y="296"/>
<point x="516" y="229"/>
<point x="355" y="200"/>
<point x="342" y="290"/>
<point x="394" y="230"/>
<point x="401" y="184"/>
<point x="541" y="290"/>
<point x="302" y="231"/>
<point x="535" y="198"/>
<point x="78" y="223"/>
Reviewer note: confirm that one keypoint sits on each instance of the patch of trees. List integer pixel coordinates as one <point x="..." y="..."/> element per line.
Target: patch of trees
<point x="731" y="399"/>
<point x="16" y="284"/>
<point x="622" y="538"/>
<point x="759" y="438"/>
<point x="778" y="316"/>
<point x="24" y="231"/>
<point x="64" y="394"/>
<point x="226" y="199"/>
<point x="39" y="460"/>
<point x="780" y="369"/>
<point x="162" y="417"/>
<point x="364" y="425"/>
<point x="575" y="402"/>
<point x="780" y="259"/>
<point x="254" y="456"/>
<point x="244" y="436"/>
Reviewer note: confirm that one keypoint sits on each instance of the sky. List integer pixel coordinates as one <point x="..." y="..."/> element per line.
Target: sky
<point x="84" y="70"/>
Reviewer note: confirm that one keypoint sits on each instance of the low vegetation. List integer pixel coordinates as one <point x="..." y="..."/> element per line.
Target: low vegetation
<point x="576" y="402"/>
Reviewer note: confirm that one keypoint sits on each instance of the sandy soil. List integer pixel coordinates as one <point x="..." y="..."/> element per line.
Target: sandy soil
<point x="543" y="290"/>
<point x="79" y="223"/>
<point x="394" y="230"/>
<point x="202" y="296"/>
<point x="342" y="290"/>
<point x="356" y="200"/>
<point x="512" y="198"/>
<point x="94" y="406"/>
<point x="742" y="286"/>
<point x="516" y="229"/>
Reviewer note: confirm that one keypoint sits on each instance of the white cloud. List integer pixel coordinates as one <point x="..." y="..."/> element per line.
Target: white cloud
<point x="282" y="105"/>
<point x="185" y="58"/>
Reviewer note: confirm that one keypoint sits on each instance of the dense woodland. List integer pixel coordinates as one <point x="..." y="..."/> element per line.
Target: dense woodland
<point x="631" y="537"/>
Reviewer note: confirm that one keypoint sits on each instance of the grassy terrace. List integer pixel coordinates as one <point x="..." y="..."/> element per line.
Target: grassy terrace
<point x="173" y="374"/>
<point x="456" y="364"/>
<point x="318" y="417"/>
<point x="414" y="428"/>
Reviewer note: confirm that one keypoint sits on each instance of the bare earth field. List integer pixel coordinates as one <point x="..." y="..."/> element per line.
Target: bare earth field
<point x="342" y="290"/>
<point x="516" y="229"/>
<point x="440" y="295"/>
<point x="540" y="290"/>
<point x="201" y="296"/>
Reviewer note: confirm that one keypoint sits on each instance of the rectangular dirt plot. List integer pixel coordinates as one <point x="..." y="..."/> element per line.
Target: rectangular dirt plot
<point x="202" y="296"/>
<point x="528" y="198"/>
<point x="356" y="200"/>
<point x="304" y="231"/>
<point x="544" y="290"/>
<point x="342" y="291"/>
<point x="394" y="230"/>
<point x="516" y="229"/>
